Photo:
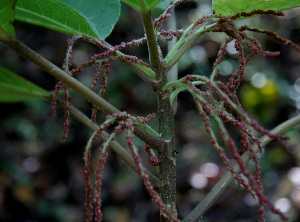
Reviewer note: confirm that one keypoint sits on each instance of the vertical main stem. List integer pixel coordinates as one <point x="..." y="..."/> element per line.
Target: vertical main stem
<point x="166" y="128"/>
<point x="155" y="57"/>
<point x="167" y="166"/>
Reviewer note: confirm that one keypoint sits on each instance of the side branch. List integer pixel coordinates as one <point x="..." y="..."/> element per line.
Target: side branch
<point x="91" y="96"/>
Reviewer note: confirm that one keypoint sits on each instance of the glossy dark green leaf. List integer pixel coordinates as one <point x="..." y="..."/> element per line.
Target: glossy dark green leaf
<point x="14" y="88"/>
<point x="7" y="14"/>
<point x="231" y="7"/>
<point x="53" y="14"/>
<point x="102" y="15"/>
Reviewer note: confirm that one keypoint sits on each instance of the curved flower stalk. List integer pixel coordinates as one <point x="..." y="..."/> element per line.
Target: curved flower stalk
<point x="125" y="122"/>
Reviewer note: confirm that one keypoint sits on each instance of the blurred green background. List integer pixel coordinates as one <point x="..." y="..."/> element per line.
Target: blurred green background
<point x="41" y="178"/>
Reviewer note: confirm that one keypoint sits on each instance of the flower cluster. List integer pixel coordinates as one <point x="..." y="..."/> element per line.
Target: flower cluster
<point x="124" y="122"/>
<point x="226" y="25"/>
<point x="222" y="110"/>
<point x="102" y="62"/>
<point x="218" y="102"/>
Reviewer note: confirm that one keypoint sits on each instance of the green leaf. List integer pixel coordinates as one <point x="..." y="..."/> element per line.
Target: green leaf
<point x="231" y="7"/>
<point x="53" y="14"/>
<point x="7" y="13"/>
<point x="163" y="4"/>
<point x="14" y="88"/>
<point x="150" y="4"/>
<point x="102" y="15"/>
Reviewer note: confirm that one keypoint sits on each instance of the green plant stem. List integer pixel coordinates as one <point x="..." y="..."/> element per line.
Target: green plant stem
<point x="141" y="71"/>
<point x="147" y="127"/>
<point x="173" y="73"/>
<point x="217" y="190"/>
<point x="203" y="80"/>
<point x="115" y="146"/>
<point x="154" y="55"/>
<point x="184" y="44"/>
<point x="77" y="86"/>
<point x="90" y="141"/>
<point x="167" y="166"/>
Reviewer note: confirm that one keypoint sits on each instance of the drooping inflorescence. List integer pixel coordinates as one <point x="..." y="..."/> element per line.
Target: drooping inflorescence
<point x="219" y="103"/>
<point x="226" y="25"/>
<point x="124" y="122"/>
<point x="102" y="62"/>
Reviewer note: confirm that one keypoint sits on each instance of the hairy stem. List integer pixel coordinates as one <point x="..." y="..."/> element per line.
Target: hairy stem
<point x="217" y="190"/>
